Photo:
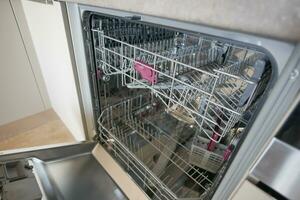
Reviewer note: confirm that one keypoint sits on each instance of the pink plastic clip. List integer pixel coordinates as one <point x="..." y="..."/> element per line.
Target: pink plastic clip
<point x="227" y="152"/>
<point x="146" y="71"/>
<point x="212" y="144"/>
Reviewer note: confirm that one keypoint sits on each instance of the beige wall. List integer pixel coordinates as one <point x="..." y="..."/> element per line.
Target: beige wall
<point x="276" y="19"/>
<point x="20" y="93"/>
<point x="47" y="31"/>
<point x="248" y="191"/>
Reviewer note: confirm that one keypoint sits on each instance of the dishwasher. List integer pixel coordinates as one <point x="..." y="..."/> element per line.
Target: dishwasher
<point x="171" y="104"/>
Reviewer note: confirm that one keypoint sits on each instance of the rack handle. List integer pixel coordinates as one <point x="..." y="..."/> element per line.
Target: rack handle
<point x="146" y="71"/>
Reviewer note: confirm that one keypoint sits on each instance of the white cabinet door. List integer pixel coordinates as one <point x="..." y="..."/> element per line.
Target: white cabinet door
<point x="46" y="27"/>
<point x="19" y="92"/>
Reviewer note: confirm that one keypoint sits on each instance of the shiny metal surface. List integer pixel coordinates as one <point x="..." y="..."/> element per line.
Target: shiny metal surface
<point x="279" y="168"/>
<point x="77" y="177"/>
<point x="68" y="172"/>
<point x="48" y="152"/>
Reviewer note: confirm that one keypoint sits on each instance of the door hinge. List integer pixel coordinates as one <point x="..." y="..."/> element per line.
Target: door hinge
<point x="87" y="33"/>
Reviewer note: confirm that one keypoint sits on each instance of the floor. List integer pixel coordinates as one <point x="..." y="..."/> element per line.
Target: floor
<point x="40" y="129"/>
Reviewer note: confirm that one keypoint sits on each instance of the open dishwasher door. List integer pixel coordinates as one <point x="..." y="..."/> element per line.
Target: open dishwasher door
<point x="184" y="109"/>
<point x="59" y="172"/>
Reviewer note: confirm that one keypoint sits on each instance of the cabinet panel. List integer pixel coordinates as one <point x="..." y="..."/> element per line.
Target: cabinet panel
<point x="46" y="26"/>
<point x="19" y="92"/>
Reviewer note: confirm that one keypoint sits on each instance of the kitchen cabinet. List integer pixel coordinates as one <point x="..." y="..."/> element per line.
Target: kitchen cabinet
<point x="21" y="88"/>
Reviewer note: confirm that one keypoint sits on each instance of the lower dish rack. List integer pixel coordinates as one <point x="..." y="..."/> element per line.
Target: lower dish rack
<point x="158" y="160"/>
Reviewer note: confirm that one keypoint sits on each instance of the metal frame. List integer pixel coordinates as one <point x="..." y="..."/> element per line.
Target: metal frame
<point x="47" y="152"/>
<point x="75" y="39"/>
<point x="279" y="52"/>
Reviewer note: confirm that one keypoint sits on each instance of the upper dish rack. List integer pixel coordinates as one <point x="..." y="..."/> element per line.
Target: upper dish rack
<point x="193" y="79"/>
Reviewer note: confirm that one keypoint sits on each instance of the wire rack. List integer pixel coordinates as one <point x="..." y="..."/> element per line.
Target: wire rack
<point x="136" y="143"/>
<point x="212" y="97"/>
<point x="203" y="84"/>
<point x="206" y="159"/>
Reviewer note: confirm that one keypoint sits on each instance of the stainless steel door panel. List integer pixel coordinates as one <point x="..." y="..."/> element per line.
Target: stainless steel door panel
<point x="279" y="168"/>
<point x="68" y="172"/>
<point x="77" y="177"/>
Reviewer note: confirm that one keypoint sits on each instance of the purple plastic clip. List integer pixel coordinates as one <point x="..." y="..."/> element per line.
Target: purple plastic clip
<point x="146" y="71"/>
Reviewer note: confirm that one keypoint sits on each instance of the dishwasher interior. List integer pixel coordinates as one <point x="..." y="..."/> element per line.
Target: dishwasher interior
<point x="172" y="105"/>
